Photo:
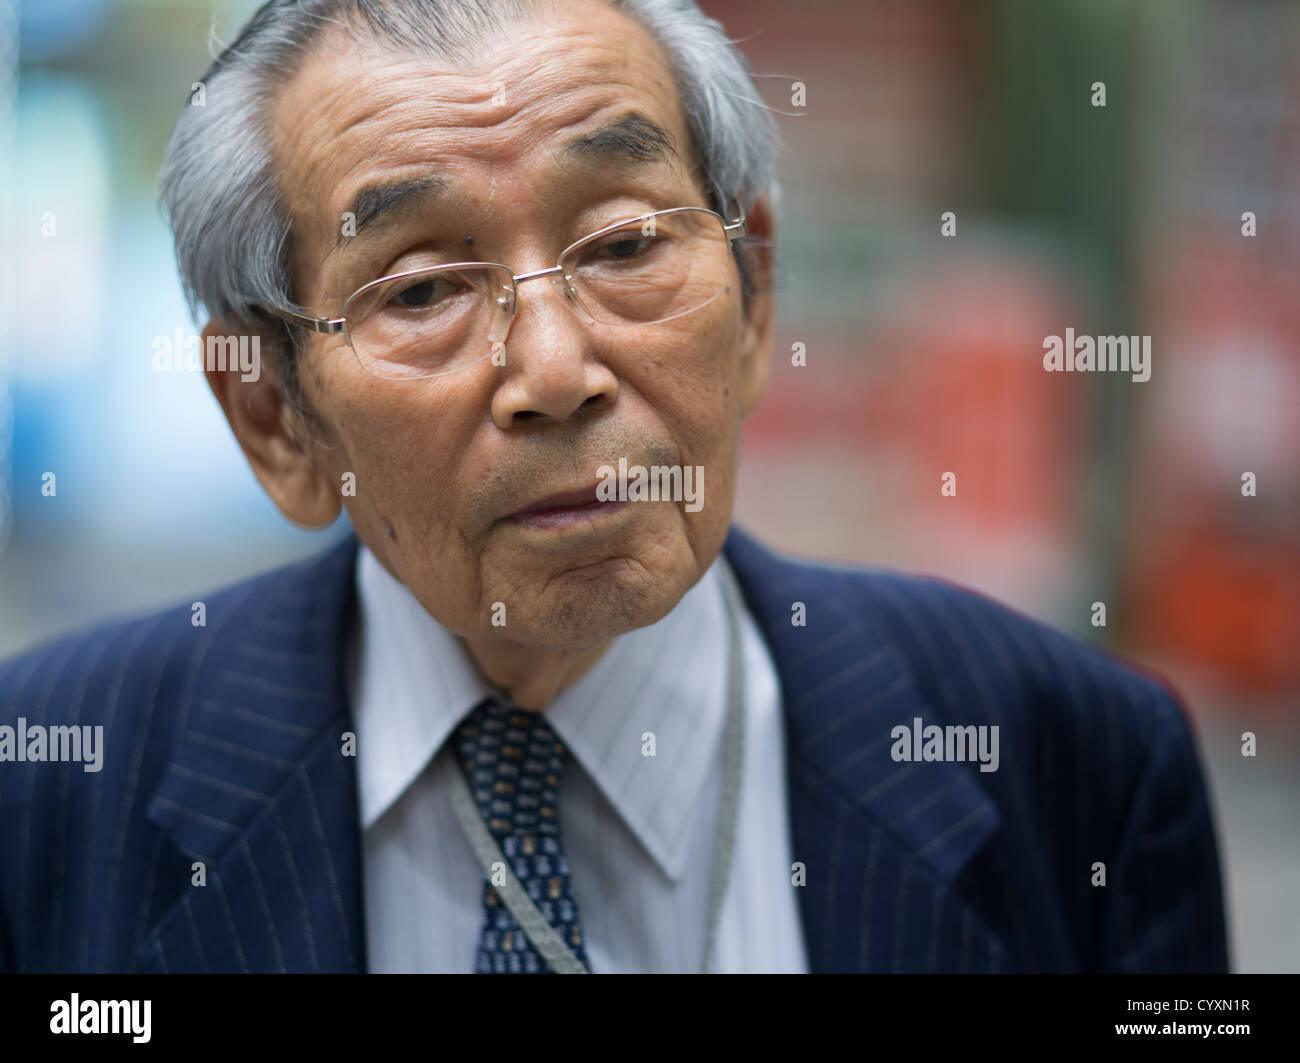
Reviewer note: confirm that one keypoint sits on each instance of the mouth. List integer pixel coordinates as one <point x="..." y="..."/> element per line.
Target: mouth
<point x="564" y="509"/>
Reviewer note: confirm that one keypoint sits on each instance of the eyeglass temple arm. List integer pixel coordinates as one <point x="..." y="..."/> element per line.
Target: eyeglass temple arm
<point x="328" y="325"/>
<point x="735" y="229"/>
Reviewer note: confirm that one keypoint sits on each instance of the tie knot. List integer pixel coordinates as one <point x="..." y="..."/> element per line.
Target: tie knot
<point x="513" y="760"/>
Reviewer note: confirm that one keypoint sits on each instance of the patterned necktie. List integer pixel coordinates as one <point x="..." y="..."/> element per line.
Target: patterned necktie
<point x="513" y="759"/>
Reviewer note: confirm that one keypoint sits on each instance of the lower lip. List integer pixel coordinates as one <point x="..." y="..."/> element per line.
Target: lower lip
<point x="567" y="516"/>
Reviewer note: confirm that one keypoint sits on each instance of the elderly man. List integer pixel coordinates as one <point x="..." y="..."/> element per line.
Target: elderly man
<point x="509" y="265"/>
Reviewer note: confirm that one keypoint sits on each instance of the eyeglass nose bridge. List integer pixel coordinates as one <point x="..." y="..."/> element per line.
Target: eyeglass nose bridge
<point x="509" y="302"/>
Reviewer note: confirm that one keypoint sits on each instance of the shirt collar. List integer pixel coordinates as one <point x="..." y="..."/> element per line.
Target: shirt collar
<point x="413" y="682"/>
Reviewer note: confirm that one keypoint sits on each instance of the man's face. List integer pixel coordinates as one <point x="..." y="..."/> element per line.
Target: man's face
<point x="449" y="470"/>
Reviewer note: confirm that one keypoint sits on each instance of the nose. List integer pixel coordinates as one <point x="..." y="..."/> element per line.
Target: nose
<point x="552" y="368"/>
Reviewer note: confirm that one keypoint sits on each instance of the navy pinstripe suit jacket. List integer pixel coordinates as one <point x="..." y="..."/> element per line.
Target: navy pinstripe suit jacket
<point x="222" y="744"/>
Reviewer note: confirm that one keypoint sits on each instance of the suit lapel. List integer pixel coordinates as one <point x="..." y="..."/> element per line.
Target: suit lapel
<point x="881" y="842"/>
<point x="259" y="789"/>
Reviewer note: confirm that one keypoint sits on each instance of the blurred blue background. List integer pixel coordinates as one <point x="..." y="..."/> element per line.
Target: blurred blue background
<point x="154" y="500"/>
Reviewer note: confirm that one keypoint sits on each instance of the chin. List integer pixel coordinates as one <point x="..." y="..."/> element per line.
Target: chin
<point x="584" y="607"/>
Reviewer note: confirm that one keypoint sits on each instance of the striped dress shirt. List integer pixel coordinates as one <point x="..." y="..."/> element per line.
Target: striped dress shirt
<point x="638" y="830"/>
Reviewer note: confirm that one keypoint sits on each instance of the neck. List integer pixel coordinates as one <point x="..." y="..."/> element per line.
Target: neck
<point x="532" y="678"/>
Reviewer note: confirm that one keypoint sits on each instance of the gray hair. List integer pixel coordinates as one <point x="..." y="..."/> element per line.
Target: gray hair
<point x="234" y="247"/>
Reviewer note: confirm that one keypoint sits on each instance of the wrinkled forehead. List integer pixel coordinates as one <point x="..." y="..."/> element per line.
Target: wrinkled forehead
<point x="570" y="93"/>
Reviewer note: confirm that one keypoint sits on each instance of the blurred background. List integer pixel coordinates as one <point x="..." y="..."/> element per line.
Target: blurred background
<point x="923" y="351"/>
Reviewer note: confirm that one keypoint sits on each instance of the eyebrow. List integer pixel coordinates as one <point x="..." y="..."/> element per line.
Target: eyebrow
<point x="383" y="204"/>
<point x="629" y="140"/>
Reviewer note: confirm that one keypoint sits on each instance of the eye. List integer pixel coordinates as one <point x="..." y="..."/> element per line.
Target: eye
<point x="626" y="247"/>
<point x="420" y="294"/>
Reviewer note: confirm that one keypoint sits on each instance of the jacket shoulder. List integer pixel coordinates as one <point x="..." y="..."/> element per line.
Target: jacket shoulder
<point x="964" y="647"/>
<point x="135" y="675"/>
<point x="1068" y="712"/>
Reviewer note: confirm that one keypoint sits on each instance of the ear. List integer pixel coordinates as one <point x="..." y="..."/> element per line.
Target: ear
<point x="756" y="341"/>
<point x="263" y="424"/>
